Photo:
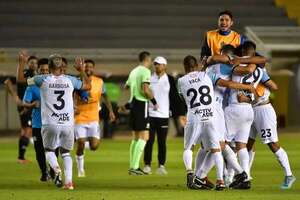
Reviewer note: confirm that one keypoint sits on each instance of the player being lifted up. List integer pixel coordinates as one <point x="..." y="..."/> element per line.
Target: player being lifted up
<point x="87" y="117"/>
<point x="196" y="87"/>
<point x="58" y="114"/>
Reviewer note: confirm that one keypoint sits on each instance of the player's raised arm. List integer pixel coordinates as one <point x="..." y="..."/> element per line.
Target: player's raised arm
<point x="80" y="67"/>
<point x="218" y="59"/>
<point x="23" y="56"/>
<point x="235" y="85"/>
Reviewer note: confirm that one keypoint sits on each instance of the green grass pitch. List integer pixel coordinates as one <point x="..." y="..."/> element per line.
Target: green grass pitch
<point x="107" y="176"/>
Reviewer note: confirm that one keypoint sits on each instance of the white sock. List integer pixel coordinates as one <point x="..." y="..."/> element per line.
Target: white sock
<point x="80" y="162"/>
<point x="283" y="159"/>
<point x="188" y="159"/>
<point x="206" y="166"/>
<point x="219" y="162"/>
<point x="68" y="166"/>
<point x="251" y="158"/>
<point x="244" y="159"/>
<point x="199" y="160"/>
<point x="52" y="160"/>
<point x="231" y="159"/>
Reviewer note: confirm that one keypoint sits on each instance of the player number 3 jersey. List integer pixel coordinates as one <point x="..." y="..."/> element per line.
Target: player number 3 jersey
<point x="197" y="90"/>
<point x="57" y="98"/>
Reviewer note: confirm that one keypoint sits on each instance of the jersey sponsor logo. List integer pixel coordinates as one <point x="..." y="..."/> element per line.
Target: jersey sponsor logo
<point x="204" y="113"/>
<point x="61" y="117"/>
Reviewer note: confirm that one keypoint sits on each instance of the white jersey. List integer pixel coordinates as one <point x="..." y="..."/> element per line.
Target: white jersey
<point x="264" y="98"/>
<point x="224" y="72"/>
<point x="198" y="92"/>
<point x="253" y="78"/>
<point x="57" y="98"/>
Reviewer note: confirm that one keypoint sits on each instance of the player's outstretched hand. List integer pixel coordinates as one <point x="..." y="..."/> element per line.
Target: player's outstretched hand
<point x="182" y="120"/>
<point x="23" y="56"/>
<point x="79" y="64"/>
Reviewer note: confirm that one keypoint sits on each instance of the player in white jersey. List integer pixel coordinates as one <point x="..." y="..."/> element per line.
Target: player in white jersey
<point x="58" y="114"/>
<point x="265" y="125"/>
<point x="239" y="116"/>
<point x="197" y="89"/>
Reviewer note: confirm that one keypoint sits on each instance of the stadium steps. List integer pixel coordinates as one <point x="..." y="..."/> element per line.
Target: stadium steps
<point x="125" y="24"/>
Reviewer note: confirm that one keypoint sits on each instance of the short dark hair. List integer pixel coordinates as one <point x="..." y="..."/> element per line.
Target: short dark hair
<point x="64" y="60"/>
<point x="42" y="61"/>
<point x="89" y="61"/>
<point x="143" y="55"/>
<point x="226" y="12"/>
<point x="248" y="45"/>
<point x="32" y="58"/>
<point x="190" y="62"/>
<point x="228" y="48"/>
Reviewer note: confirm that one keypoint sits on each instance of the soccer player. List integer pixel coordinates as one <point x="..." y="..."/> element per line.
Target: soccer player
<point x="239" y="116"/>
<point x="164" y="89"/>
<point x="87" y="118"/>
<point x="32" y="100"/>
<point x="24" y="113"/>
<point x="58" y="114"/>
<point x="265" y="125"/>
<point x="139" y="84"/>
<point x="197" y="89"/>
<point x="215" y="39"/>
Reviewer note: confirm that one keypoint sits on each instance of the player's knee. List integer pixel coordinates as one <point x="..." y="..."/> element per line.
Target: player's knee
<point x="94" y="146"/>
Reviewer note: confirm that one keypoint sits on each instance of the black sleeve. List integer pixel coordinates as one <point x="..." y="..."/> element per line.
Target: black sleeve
<point x="177" y="105"/>
<point x="205" y="50"/>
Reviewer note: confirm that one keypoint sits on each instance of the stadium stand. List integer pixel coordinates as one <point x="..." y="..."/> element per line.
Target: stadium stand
<point x="292" y="8"/>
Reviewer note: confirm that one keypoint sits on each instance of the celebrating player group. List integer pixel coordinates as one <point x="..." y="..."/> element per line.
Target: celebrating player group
<point x="222" y="101"/>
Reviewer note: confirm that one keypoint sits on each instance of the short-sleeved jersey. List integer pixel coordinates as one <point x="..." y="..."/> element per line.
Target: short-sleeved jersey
<point x="263" y="92"/>
<point x="221" y="71"/>
<point x="57" y="98"/>
<point x="88" y="111"/>
<point x="197" y="89"/>
<point x="32" y="93"/>
<point x="253" y="78"/>
<point x="137" y="77"/>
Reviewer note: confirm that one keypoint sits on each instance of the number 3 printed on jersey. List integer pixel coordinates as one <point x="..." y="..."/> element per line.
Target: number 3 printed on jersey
<point x="60" y="100"/>
<point x="204" y="99"/>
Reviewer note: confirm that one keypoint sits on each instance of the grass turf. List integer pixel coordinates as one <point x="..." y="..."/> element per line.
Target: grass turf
<point x="107" y="176"/>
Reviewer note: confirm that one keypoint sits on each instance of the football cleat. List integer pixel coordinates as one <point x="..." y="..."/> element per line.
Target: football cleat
<point x="246" y="185"/>
<point x="203" y="183"/>
<point x="239" y="178"/>
<point x="220" y="186"/>
<point x="58" y="180"/>
<point x="288" y="182"/>
<point x="136" y="172"/>
<point x="190" y="179"/>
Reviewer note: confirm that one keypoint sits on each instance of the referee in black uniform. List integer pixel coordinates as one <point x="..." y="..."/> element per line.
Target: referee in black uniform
<point x="165" y="92"/>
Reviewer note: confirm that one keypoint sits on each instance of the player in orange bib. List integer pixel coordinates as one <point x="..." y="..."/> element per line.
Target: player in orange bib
<point x="87" y="115"/>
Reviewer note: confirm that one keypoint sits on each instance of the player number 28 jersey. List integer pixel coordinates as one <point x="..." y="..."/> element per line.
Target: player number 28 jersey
<point x="197" y="90"/>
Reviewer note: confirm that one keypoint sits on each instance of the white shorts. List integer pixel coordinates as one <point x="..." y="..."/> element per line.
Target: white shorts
<point x="202" y="132"/>
<point x="238" y="118"/>
<point x="88" y="130"/>
<point x="220" y="122"/>
<point x="264" y="124"/>
<point x="58" y="136"/>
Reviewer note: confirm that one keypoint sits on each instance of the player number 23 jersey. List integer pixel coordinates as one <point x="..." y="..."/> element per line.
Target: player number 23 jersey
<point x="198" y="93"/>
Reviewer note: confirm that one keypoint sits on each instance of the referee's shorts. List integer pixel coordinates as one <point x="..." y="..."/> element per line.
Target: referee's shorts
<point x="139" y="119"/>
